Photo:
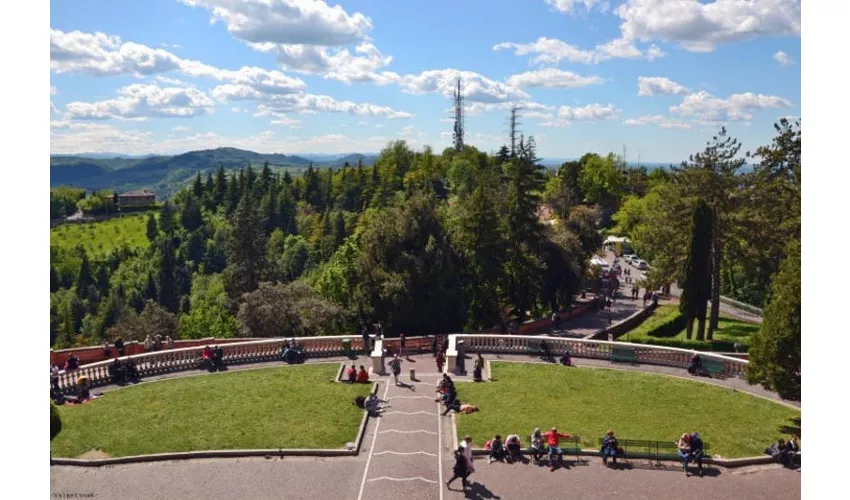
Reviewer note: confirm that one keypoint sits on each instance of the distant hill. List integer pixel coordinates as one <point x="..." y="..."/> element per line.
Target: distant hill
<point x="164" y="175"/>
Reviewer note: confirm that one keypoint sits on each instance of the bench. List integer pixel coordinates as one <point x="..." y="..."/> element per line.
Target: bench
<point x="568" y="446"/>
<point x="623" y="354"/>
<point x="652" y="450"/>
<point x="712" y="367"/>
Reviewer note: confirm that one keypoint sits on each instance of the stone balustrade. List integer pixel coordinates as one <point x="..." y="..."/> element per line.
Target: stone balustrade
<point x="594" y="349"/>
<point x="189" y="358"/>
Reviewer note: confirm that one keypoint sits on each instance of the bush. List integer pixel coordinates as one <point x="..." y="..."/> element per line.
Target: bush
<point x="670" y="327"/>
<point x="55" y="421"/>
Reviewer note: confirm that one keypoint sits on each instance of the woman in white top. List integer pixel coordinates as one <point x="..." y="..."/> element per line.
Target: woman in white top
<point x="467" y="452"/>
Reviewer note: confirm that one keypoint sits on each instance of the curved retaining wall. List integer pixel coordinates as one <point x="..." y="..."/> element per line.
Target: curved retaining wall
<point x="595" y="349"/>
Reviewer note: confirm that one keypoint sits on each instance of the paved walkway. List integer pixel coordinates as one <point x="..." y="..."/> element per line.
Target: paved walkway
<point x="406" y="455"/>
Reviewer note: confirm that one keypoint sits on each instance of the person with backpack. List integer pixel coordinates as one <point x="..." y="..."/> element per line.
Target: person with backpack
<point x="395" y="367"/>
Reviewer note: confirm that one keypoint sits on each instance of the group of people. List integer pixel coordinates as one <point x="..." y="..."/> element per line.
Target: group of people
<point x="119" y="348"/>
<point x="212" y="359"/>
<point x="82" y="392"/>
<point x="292" y="352"/>
<point x="786" y="453"/>
<point x="122" y="372"/>
<point x="691" y="448"/>
<point x="155" y="342"/>
<point x="359" y="377"/>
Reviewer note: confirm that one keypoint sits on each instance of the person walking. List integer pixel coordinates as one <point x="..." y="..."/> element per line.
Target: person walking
<point x="402" y="340"/>
<point x="441" y="360"/>
<point x="467" y="452"/>
<point x="366" y="344"/>
<point x="460" y="469"/>
<point x="395" y="366"/>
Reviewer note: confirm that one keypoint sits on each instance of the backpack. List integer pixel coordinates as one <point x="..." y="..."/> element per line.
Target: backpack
<point x="360" y="402"/>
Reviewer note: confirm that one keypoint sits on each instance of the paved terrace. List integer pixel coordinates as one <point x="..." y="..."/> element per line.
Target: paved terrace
<point x="406" y="454"/>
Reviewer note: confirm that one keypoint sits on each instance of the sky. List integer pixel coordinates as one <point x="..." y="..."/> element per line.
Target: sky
<point x="656" y="77"/>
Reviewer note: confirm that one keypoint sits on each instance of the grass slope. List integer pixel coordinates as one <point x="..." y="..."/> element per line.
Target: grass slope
<point x="99" y="238"/>
<point x="286" y="407"/>
<point x="588" y="402"/>
<point x="729" y="332"/>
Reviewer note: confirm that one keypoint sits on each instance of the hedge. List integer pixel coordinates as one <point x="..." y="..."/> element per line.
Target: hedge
<point x="55" y="421"/>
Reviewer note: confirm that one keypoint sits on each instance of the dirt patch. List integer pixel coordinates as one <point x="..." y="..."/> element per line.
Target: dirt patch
<point x="94" y="455"/>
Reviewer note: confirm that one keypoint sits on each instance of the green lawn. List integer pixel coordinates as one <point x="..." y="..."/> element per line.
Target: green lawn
<point x="588" y="402"/>
<point x="99" y="238"/>
<point x="730" y="331"/>
<point x="285" y="407"/>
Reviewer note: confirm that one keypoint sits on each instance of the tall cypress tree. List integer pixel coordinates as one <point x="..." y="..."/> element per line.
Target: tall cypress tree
<point x="151" y="230"/>
<point x="166" y="219"/>
<point x="84" y="277"/>
<point x="198" y="186"/>
<point x="220" y="190"/>
<point x="167" y="292"/>
<point x="696" y="288"/>
<point x="247" y="248"/>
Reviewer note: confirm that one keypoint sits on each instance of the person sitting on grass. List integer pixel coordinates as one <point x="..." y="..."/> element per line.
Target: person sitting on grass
<point x="362" y="376"/>
<point x="497" y="449"/>
<point x="609" y="448"/>
<point x="537" y="446"/>
<point x="352" y="374"/>
<point x="552" y="437"/>
<point x="513" y="445"/>
<point x="566" y="360"/>
<point x="684" y="450"/>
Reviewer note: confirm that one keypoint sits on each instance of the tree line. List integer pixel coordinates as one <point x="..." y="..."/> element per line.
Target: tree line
<point x="420" y="242"/>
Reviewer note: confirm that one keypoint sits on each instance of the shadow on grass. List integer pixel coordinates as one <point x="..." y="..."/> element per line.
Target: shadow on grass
<point x="794" y="428"/>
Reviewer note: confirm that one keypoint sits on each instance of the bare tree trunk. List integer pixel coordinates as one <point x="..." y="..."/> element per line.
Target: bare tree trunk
<point x="701" y="320"/>
<point x="690" y="330"/>
<point x="716" y="257"/>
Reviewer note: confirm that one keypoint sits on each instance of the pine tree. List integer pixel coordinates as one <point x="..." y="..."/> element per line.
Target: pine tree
<point x="209" y="186"/>
<point x="167" y="291"/>
<point x="696" y="288"/>
<point x="190" y="214"/>
<point x="286" y="212"/>
<point x="152" y="230"/>
<point x="84" y="277"/>
<point x="220" y="190"/>
<point x="150" y="288"/>
<point x="166" y="219"/>
<point x="198" y="187"/>
<point x="66" y="333"/>
<point x="232" y="196"/>
<point x="54" y="280"/>
<point x="265" y="179"/>
<point x="246" y="248"/>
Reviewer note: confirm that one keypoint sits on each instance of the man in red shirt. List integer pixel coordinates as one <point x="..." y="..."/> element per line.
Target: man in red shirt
<point x="552" y="438"/>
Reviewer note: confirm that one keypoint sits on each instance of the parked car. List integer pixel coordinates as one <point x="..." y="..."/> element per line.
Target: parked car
<point x="629" y="257"/>
<point x="641" y="264"/>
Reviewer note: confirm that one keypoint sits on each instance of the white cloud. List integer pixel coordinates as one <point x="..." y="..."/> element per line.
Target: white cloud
<point x="338" y="64"/>
<point x="553" y="51"/>
<point x="783" y="59"/>
<point x="552" y="77"/>
<point x="311" y="22"/>
<point x="476" y="88"/>
<point x="307" y="103"/>
<point x="478" y="108"/>
<point x="53" y="90"/>
<point x="737" y="107"/>
<point x="78" y="137"/>
<point x="591" y="112"/>
<point x="172" y="81"/>
<point x="699" y="25"/>
<point x="280" y="118"/>
<point x="98" y="54"/>
<point x="651" y="86"/>
<point x="139" y="101"/>
<point x="180" y="128"/>
<point x="565" y="6"/>
<point x="379" y="125"/>
<point x="658" y="120"/>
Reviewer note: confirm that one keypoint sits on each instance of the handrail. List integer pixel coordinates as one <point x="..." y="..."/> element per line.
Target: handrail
<point x="600" y="349"/>
<point x="742" y="306"/>
<point x="189" y="358"/>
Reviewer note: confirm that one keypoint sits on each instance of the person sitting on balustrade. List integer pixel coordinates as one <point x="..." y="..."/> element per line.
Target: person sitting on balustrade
<point x="218" y="359"/>
<point x="131" y="374"/>
<point x="696" y="364"/>
<point x="207" y="358"/>
<point x="362" y="376"/>
<point x="117" y="373"/>
<point x="72" y="363"/>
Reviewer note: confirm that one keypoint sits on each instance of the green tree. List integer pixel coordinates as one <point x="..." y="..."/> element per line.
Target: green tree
<point x="246" y="249"/>
<point x="190" y="214"/>
<point x="55" y="421"/>
<point x="697" y="277"/>
<point x="84" y="277"/>
<point x="775" y="351"/>
<point x="198" y="187"/>
<point x="154" y="320"/>
<point x="601" y="181"/>
<point x="209" y="314"/>
<point x="166" y="219"/>
<point x="151" y="229"/>
<point x="221" y="188"/>
<point x="54" y="280"/>
<point x="167" y="290"/>
<point x="66" y="337"/>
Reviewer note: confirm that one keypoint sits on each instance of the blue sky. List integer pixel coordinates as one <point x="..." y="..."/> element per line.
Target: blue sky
<point x="308" y="76"/>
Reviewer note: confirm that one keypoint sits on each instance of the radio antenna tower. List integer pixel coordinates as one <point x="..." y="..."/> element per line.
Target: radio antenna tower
<point x="458" y="116"/>
<point x="514" y="124"/>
